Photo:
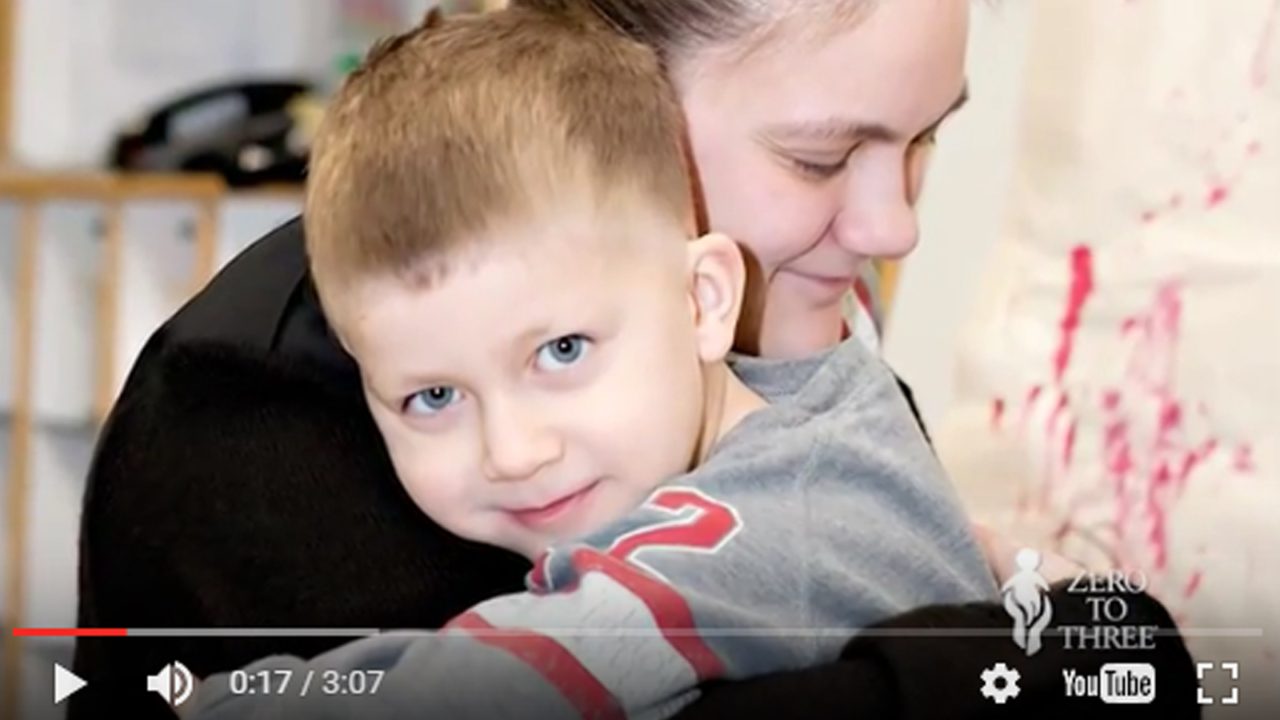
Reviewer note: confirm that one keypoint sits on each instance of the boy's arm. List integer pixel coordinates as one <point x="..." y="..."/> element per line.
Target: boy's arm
<point x="631" y="621"/>
<point x="603" y="635"/>
<point x="604" y="647"/>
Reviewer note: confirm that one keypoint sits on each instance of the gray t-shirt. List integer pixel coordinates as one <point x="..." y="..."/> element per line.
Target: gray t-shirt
<point x="817" y="515"/>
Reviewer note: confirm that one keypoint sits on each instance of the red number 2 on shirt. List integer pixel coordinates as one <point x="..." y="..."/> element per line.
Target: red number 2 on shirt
<point x="707" y="529"/>
<point x="689" y="521"/>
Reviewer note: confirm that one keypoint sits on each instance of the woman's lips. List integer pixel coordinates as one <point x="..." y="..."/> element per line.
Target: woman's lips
<point x="831" y="282"/>
<point x="540" y="517"/>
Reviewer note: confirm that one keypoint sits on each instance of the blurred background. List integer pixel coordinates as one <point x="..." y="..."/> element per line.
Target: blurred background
<point x="1089" y="323"/>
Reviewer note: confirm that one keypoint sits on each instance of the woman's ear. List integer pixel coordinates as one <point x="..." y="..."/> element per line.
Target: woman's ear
<point x="717" y="276"/>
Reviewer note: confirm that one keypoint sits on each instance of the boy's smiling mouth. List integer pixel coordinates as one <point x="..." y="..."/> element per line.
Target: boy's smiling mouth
<point x="543" y="516"/>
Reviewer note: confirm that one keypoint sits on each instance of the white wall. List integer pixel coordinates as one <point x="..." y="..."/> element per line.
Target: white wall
<point x="85" y="68"/>
<point x="961" y="211"/>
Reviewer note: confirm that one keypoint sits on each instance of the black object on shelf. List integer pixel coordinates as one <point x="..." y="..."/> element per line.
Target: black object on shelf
<point x="248" y="132"/>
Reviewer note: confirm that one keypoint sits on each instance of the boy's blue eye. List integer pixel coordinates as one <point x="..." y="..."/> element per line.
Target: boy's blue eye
<point x="562" y="352"/>
<point x="431" y="401"/>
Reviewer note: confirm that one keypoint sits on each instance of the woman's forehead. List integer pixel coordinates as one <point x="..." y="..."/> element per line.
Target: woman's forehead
<point x="898" y="66"/>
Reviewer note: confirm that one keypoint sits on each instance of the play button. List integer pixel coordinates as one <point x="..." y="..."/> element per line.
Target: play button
<point x="65" y="683"/>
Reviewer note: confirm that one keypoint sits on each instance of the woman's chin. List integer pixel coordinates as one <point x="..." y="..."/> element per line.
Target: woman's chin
<point x="798" y="325"/>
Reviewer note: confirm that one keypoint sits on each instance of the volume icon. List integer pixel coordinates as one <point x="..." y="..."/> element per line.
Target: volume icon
<point x="173" y="683"/>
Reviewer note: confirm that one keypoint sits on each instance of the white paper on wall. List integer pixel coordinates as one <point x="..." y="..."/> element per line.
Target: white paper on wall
<point x="1118" y="390"/>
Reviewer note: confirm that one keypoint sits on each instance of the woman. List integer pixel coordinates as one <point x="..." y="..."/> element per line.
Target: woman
<point x="241" y="483"/>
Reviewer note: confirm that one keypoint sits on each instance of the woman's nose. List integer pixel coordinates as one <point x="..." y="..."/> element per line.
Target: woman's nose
<point x="517" y="445"/>
<point x="877" y="218"/>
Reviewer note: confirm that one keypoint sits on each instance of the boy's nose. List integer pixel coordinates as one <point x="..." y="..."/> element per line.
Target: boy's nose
<point x="516" y="448"/>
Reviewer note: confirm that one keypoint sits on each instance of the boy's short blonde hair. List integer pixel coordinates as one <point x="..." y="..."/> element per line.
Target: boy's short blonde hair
<point x="457" y="124"/>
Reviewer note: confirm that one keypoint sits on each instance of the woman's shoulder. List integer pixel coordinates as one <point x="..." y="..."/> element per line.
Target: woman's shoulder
<point x="258" y="318"/>
<point x="250" y="298"/>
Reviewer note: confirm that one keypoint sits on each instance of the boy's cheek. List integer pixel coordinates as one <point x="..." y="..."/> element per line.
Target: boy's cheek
<point x="432" y="475"/>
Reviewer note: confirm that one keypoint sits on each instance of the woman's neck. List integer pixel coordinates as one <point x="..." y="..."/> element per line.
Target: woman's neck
<point x="782" y="327"/>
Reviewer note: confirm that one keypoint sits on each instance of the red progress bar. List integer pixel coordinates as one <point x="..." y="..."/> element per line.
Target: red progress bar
<point x="70" y="632"/>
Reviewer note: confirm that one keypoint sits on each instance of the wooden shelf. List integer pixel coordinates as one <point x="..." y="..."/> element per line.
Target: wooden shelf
<point x="105" y="186"/>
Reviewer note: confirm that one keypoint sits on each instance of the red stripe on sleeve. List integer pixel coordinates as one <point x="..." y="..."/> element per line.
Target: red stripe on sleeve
<point x="552" y="660"/>
<point x="670" y="610"/>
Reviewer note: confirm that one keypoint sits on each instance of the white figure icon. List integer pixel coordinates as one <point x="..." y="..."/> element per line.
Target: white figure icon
<point x="1026" y="600"/>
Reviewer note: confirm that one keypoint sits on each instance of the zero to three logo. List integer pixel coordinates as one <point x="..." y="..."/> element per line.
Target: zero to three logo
<point x="1026" y="599"/>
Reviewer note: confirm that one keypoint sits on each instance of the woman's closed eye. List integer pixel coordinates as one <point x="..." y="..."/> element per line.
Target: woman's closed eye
<point x="821" y="170"/>
<point x="432" y="401"/>
<point x="824" y="168"/>
<point x="562" y="352"/>
<point x="817" y="163"/>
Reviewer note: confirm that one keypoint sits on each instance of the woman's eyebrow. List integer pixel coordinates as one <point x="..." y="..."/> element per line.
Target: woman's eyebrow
<point x="847" y="130"/>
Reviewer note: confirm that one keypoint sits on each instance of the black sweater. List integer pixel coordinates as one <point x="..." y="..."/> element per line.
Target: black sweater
<point x="240" y="482"/>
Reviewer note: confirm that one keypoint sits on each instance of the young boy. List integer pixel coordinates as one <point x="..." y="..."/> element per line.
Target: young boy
<point x="501" y="231"/>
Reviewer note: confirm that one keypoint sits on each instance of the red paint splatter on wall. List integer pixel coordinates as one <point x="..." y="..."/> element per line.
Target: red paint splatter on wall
<point x="1077" y="294"/>
<point x="1153" y="441"/>
<point x="1110" y="399"/>
<point x="1193" y="584"/>
<point x="1217" y="194"/>
<point x="1258" y="70"/>
<point x="1149" y="487"/>
<point x="1069" y="445"/>
<point x="1242" y="461"/>
<point x="1149" y="447"/>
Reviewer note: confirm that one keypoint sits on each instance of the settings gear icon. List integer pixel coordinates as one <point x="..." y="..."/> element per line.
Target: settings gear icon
<point x="1000" y="683"/>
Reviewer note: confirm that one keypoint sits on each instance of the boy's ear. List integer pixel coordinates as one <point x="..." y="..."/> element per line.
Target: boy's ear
<point x="717" y="277"/>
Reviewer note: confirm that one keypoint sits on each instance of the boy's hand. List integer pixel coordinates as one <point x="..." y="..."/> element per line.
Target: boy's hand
<point x="1000" y="552"/>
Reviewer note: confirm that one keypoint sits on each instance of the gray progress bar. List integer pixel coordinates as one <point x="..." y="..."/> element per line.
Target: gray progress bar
<point x="252" y="632"/>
